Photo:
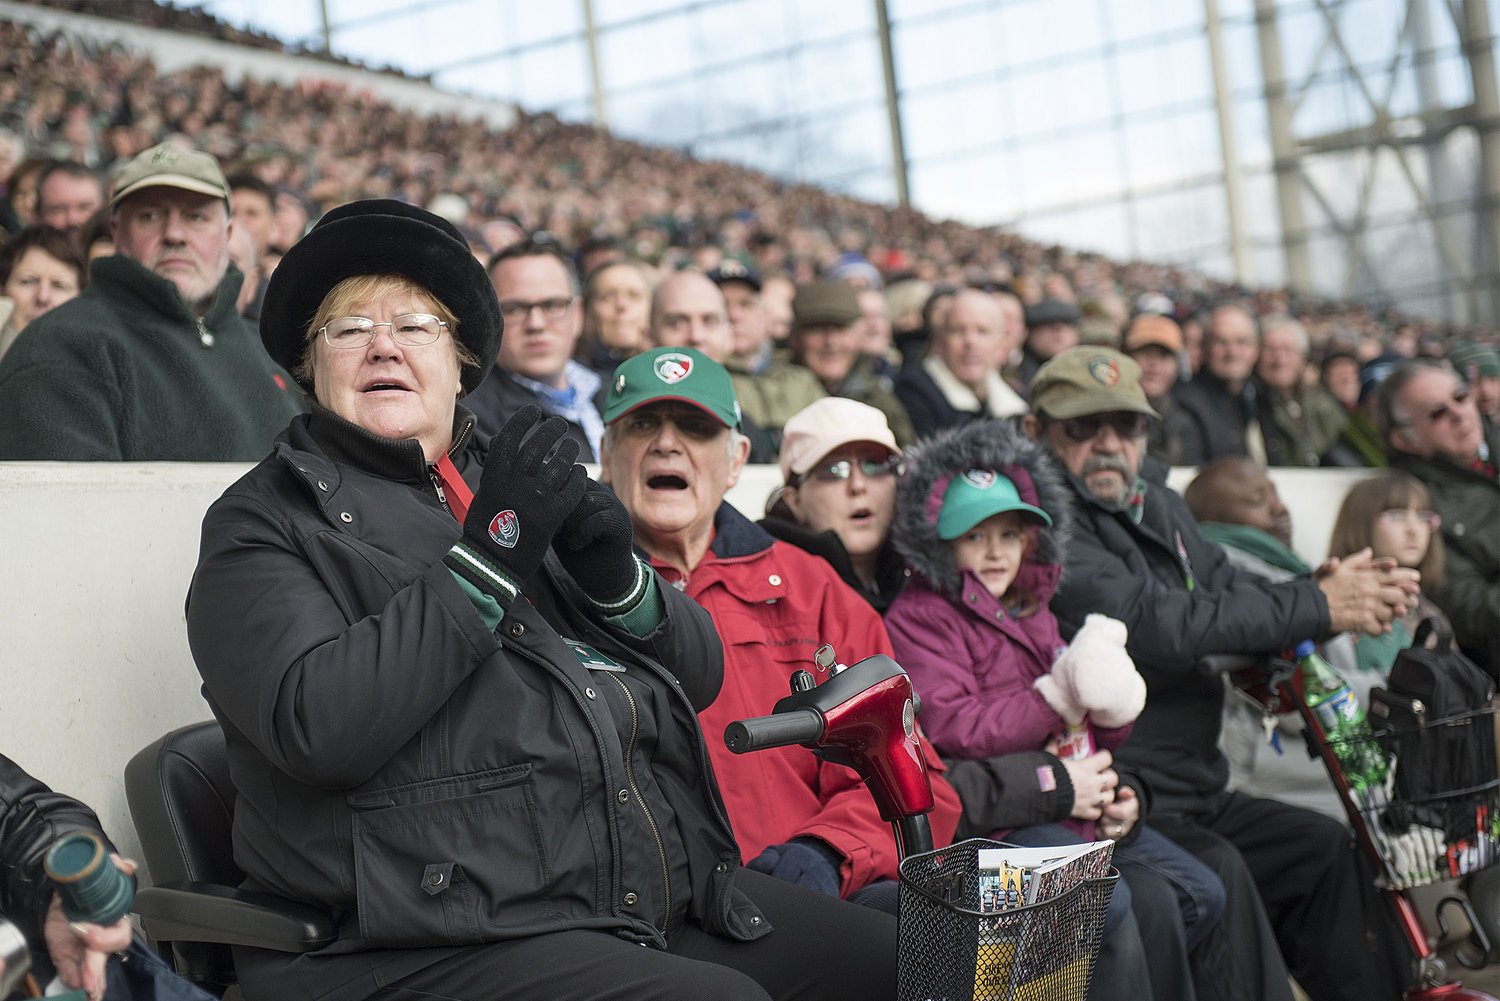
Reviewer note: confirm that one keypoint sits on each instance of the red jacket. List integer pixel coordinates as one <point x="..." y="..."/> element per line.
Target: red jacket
<point x="773" y="606"/>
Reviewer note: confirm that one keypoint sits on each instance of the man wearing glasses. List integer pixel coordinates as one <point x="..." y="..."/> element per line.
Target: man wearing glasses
<point x="672" y="449"/>
<point x="1431" y="426"/>
<point x="538" y="293"/>
<point x="1137" y="556"/>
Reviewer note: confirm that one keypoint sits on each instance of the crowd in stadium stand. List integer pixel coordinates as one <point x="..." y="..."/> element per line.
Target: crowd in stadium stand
<point x="149" y="214"/>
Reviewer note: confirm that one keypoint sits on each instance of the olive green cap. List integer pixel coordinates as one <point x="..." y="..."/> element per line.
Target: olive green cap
<point x="1089" y="380"/>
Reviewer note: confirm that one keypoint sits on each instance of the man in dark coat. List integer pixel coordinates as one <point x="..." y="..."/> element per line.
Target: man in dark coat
<point x="1432" y="429"/>
<point x="1219" y="405"/>
<point x="152" y="363"/>
<point x="1137" y="556"/>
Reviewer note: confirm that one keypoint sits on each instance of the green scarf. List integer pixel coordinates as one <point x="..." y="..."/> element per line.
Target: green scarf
<point x="1255" y="542"/>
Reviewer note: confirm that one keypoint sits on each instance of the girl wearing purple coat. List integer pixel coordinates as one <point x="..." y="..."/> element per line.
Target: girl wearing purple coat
<point x="982" y="520"/>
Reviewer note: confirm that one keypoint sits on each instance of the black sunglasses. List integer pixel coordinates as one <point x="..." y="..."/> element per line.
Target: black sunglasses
<point x="1126" y="425"/>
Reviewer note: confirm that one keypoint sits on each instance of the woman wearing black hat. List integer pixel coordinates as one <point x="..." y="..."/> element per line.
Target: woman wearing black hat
<point x="460" y="712"/>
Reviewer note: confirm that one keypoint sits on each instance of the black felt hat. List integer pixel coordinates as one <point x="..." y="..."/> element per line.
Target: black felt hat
<point x="380" y="236"/>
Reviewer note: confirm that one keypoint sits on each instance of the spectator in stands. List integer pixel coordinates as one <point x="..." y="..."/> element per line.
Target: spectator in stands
<point x="397" y="684"/>
<point x="292" y="215"/>
<point x="904" y="301"/>
<point x="67" y="193"/>
<point x="1155" y="343"/>
<point x="1237" y="506"/>
<point x="40" y="267"/>
<point x="1479" y="364"/>
<point x="769" y="390"/>
<point x="83" y="956"/>
<point x="1391" y="514"/>
<point x="671" y="452"/>
<point x="960" y="379"/>
<point x="539" y="301"/>
<point x="595" y="252"/>
<point x="1219" y="404"/>
<point x="1013" y="311"/>
<point x="1339" y="374"/>
<point x="1301" y="421"/>
<point x="1138" y="556"/>
<point x="96" y="238"/>
<point x="877" y="335"/>
<point x="152" y="361"/>
<point x="1432" y="430"/>
<point x="20" y="194"/>
<point x="839" y="464"/>
<point x="1051" y="328"/>
<point x="689" y="310"/>
<point x="253" y="209"/>
<point x="826" y="340"/>
<point x="616" y="315"/>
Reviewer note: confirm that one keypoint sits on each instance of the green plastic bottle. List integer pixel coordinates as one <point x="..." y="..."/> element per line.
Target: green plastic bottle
<point x="1342" y="719"/>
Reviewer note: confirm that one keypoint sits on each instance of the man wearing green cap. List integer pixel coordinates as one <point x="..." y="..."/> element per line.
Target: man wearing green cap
<point x="151" y="362"/>
<point x="1137" y="556"/>
<point x="672" y="449"/>
<point x="1479" y="364"/>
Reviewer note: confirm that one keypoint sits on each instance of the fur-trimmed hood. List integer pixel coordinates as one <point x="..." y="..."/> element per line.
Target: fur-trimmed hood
<point x="991" y="444"/>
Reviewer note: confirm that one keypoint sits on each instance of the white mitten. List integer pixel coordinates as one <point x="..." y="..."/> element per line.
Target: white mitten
<point x="1099" y="674"/>
<point x="1060" y="697"/>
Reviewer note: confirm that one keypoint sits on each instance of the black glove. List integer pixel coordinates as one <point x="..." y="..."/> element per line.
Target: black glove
<point x="531" y="482"/>
<point x="596" y="545"/>
<point x="808" y="862"/>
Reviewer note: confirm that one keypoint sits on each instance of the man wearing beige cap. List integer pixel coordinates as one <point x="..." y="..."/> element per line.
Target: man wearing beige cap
<point x="839" y="465"/>
<point x="152" y="362"/>
<point x="1137" y="555"/>
<point x="1155" y="342"/>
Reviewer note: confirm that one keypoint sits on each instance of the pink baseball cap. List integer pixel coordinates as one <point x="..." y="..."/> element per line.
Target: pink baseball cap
<point x="827" y="424"/>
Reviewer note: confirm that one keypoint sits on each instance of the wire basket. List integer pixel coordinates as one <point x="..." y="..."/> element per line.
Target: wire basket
<point x="1437" y="814"/>
<point x="950" y="950"/>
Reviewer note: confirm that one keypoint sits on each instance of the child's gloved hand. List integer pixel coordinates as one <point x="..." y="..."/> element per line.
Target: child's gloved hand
<point x="1057" y="692"/>
<point x="1098" y="674"/>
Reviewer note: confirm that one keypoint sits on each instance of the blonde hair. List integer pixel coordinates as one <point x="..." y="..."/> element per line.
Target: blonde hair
<point x="350" y="292"/>
<point x="1389" y="489"/>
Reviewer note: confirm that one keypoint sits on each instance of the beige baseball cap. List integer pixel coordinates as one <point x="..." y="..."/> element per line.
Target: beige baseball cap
<point x="827" y="424"/>
<point x="167" y="165"/>
<point x="1089" y="380"/>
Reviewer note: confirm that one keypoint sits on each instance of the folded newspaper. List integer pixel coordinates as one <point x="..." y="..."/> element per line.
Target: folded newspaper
<point x="1033" y="952"/>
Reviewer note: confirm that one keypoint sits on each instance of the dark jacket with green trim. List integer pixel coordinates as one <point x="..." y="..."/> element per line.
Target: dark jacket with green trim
<point x="424" y="780"/>
<point x="127" y="372"/>
<point x="1469" y="503"/>
<point x="32" y="817"/>
<point x="1180" y="599"/>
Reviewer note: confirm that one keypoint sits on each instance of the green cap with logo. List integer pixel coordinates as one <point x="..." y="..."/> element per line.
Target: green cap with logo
<point x="1475" y="361"/>
<point x="683" y="374"/>
<point x="1089" y="380"/>
<point x="977" y="494"/>
<point x="167" y="165"/>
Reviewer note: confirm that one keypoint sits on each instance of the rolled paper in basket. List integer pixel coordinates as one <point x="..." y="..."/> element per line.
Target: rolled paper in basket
<point x="91" y="886"/>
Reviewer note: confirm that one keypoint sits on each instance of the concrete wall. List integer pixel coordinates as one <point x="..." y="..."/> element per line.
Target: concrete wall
<point x="94" y="662"/>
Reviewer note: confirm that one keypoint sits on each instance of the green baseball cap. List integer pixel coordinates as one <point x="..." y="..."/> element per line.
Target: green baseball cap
<point x="684" y="374"/>
<point x="167" y="165"/>
<point x="975" y="495"/>
<point x="1475" y="360"/>
<point x="1089" y="380"/>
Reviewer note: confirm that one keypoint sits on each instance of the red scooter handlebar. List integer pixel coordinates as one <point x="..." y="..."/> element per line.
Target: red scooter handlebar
<point x="797" y="726"/>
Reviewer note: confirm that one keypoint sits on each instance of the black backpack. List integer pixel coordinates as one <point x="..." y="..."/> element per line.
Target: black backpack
<point x="1435" y="717"/>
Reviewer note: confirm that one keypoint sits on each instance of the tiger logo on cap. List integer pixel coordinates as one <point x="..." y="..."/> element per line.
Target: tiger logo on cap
<point x="1106" y="371"/>
<point x="673" y="368"/>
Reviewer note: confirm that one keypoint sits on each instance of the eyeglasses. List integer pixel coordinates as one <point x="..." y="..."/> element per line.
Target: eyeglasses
<point x="411" y="329"/>
<point x="838" y="472"/>
<point x="1126" y="425"/>
<point x="1405" y="516"/>
<point x="518" y="311"/>
<point x="1450" y="410"/>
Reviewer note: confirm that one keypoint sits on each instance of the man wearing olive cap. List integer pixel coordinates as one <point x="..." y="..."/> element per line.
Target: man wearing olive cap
<point x="151" y="362"/>
<point x="1137" y="555"/>
<point x="672" y="449"/>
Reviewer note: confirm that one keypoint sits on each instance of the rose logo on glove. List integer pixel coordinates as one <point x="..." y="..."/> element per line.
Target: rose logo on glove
<point x="673" y="368"/>
<point x="505" y="528"/>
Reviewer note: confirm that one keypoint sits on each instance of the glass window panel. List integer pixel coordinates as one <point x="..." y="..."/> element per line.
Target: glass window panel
<point x="607" y="12"/>
<point x="658" y="50"/>
<point x="1127" y="22"/>
<point x="551" y="75"/>
<point x="936" y="50"/>
<point x="664" y="114"/>
<point x="953" y="120"/>
<point x="846" y="143"/>
<point x="901" y="10"/>
<point x="811" y="22"/>
<point x="836" y="74"/>
<point x="1050" y="100"/>
<point x="1181" y="225"/>
<point x="742" y="95"/>
<point x="738" y="30"/>
<point x="1101" y="228"/>
<point x="972" y="189"/>
<point x="1069" y="170"/>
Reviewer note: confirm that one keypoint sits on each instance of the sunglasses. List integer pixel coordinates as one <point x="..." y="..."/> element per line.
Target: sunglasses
<point x="837" y="472"/>
<point x="1450" y="411"/>
<point x="1126" y="425"/>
